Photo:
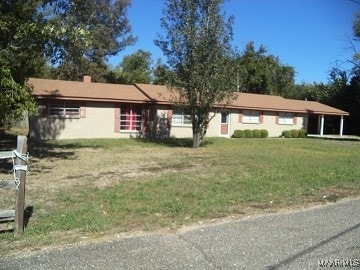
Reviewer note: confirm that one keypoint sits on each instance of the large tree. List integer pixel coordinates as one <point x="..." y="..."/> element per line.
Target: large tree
<point x="21" y="40"/>
<point x="197" y="45"/>
<point x="136" y="68"/>
<point x="88" y="33"/>
<point x="262" y="73"/>
<point x="21" y="56"/>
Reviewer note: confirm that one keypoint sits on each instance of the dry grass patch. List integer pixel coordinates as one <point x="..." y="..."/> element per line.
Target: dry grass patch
<point x="90" y="188"/>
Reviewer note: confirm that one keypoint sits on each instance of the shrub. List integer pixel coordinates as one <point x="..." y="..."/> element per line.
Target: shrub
<point x="238" y="134"/>
<point x="302" y="133"/>
<point x="294" y="133"/>
<point x="286" y="134"/>
<point x="264" y="133"/>
<point x="248" y="133"/>
<point x="256" y="133"/>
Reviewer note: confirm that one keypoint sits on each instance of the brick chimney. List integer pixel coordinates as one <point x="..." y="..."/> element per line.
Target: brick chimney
<point x="87" y="79"/>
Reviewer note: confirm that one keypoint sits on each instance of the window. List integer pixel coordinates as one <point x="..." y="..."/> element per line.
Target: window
<point x="251" y="117"/>
<point x="64" y="109"/>
<point x="286" y="119"/>
<point x="224" y="117"/>
<point x="179" y="118"/>
<point x="130" y="118"/>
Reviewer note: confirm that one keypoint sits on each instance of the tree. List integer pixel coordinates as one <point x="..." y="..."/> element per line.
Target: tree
<point x="162" y="74"/>
<point x="136" y="68"/>
<point x="263" y="74"/>
<point x="15" y="99"/>
<point x="197" y="46"/>
<point x="21" y="56"/>
<point x="21" y="42"/>
<point x="87" y="32"/>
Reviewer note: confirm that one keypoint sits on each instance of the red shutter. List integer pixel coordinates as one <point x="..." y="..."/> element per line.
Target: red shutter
<point x="169" y="115"/>
<point x="128" y="120"/>
<point x="261" y="117"/>
<point x="240" y="116"/>
<point x="294" y="119"/>
<point x="43" y="109"/>
<point x="82" y="110"/>
<point x="277" y="119"/>
<point x="144" y="120"/>
<point x="117" y="118"/>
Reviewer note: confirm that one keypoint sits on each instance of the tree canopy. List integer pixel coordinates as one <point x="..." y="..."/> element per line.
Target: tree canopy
<point x="76" y="36"/>
<point x="86" y="33"/>
<point x="261" y="73"/>
<point x="197" y="45"/>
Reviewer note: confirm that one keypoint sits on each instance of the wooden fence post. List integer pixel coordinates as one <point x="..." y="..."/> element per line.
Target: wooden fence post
<point x="20" y="191"/>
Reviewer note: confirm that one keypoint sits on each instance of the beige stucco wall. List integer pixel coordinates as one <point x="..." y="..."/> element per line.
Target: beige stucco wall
<point x="100" y="118"/>
<point x="269" y="123"/>
<point x="97" y="123"/>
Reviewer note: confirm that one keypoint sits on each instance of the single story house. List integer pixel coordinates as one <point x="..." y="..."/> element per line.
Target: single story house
<point x="69" y="109"/>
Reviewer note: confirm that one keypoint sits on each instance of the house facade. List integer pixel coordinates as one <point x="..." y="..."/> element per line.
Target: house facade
<point x="69" y="110"/>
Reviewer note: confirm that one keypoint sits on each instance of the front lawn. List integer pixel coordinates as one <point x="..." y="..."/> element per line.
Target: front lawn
<point x="81" y="189"/>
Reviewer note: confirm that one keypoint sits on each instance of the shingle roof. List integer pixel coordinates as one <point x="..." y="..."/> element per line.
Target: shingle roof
<point x="45" y="88"/>
<point x="277" y="103"/>
<point x="145" y="93"/>
<point x="157" y="93"/>
<point x="161" y="94"/>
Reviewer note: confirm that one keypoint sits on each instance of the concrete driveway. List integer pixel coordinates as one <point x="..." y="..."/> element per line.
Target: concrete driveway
<point x="315" y="238"/>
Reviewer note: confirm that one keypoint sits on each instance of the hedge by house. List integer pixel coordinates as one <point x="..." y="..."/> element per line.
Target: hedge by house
<point x="294" y="133"/>
<point x="250" y="133"/>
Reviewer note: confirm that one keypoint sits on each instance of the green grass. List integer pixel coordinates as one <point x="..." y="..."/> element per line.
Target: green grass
<point x="175" y="185"/>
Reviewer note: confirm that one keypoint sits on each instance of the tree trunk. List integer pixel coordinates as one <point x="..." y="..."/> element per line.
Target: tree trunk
<point x="197" y="139"/>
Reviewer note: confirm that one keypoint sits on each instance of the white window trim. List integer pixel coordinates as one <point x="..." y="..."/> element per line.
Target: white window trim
<point x="286" y="119"/>
<point x="181" y="118"/>
<point x="138" y="122"/>
<point x="251" y="117"/>
<point x="64" y="109"/>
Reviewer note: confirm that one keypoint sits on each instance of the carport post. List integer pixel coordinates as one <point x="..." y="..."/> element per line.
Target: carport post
<point x="322" y="125"/>
<point x="341" y="125"/>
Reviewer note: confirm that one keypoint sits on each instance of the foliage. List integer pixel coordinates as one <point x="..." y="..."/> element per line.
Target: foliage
<point x="136" y="68"/>
<point x="197" y="46"/>
<point x="248" y="133"/>
<point x="257" y="133"/>
<point x="238" y="134"/>
<point x="260" y="73"/>
<point x="264" y="133"/>
<point x="21" y="42"/>
<point x="15" y="100"/>
<point x="302" y="133"/>
<point x="162" y="74"/>
<point x="294" y="133"/>
<point x="286" y="134"/>
<point x="83" y="34"/>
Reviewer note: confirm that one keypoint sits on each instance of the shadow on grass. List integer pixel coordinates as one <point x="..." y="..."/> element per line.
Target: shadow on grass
<point x="345" y="139"/>
<point x="45" y="149"/>
<point x="28" y="212"/>
<point x="174" y="142"/>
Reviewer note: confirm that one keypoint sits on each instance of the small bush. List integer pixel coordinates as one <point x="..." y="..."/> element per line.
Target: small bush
<point x="248" y="133"/>
<point x="302" y="133"/>
<point x="294" y="133"/>
<point x="238" y="134"/>
<point x="286" y="134"/>
<point x="264" y="133"/>
<point x="256" y="133"/>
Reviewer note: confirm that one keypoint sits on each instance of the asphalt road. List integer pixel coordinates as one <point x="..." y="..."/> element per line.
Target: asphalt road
<point x="306" y="239"/>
